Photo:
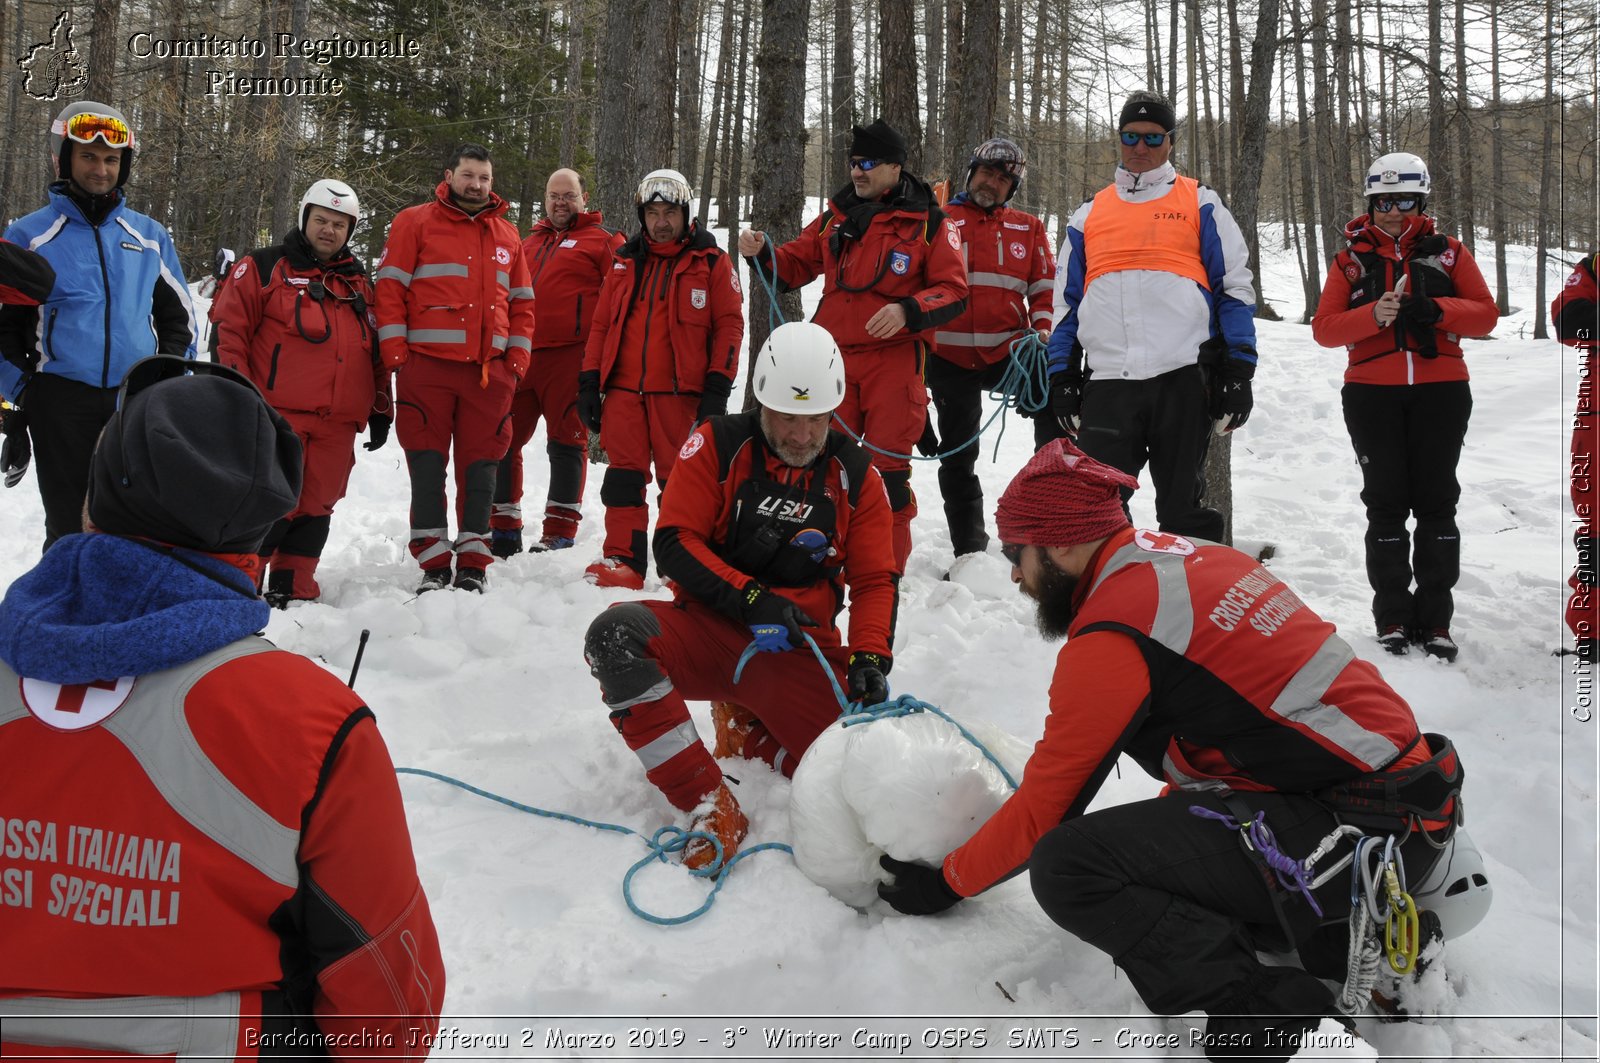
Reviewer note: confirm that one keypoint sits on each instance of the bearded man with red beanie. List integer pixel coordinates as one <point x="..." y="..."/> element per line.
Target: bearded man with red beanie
<point x="216" y="858"/>
<point x="1215" y="677"/>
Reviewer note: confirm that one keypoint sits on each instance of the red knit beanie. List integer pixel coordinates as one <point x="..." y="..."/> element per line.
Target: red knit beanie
<point x="1062" y="497"/>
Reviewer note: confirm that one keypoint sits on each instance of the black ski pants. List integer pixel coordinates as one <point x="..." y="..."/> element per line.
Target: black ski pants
<point x="1166" y="422"/>
<point x="64" y="422"/>
<point x="958" y="408"/>
<point x="1182" y="907"/>
<point x="1408" y="440"/>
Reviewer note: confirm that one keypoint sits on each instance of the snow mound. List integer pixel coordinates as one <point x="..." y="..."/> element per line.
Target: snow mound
<point x="910" y="786"/>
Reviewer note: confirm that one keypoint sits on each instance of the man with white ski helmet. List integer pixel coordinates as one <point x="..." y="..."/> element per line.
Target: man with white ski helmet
<point x="120" y="297"/>
<point x="1399" y="299"/>
<point x="768" y="520"/>
<point x="296" y="318"/>
<point x="661" y="355"/>
<point x="1010" y="291"/>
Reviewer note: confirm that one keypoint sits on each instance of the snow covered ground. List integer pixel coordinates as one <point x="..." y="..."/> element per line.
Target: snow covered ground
<point x="541" y="947"/>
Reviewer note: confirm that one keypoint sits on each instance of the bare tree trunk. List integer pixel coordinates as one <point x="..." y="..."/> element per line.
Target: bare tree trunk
<point x="1332" y="204"/>
<point x="719" y="107"/>
<point x="973" y="122"/>
<point x="690" y="88"/>
<point x="1152" y="48"/>
<point x="1310" y="278"/>
<point x="933" y="36"/>
<point x="1172" y="55"/>
<point x="1497" y="199"/>
<point x="12" y="176"/>
<point x="1244" y="194"/>
<point x="1547" y="178"/>
<point x="1343" y="182"/>
<point x="1196" y="138"/>
<point x="897" y="49"/>
<point x="1236" y="93"/>
<point x="1466" y="209"/>
<point x="1443" y="195"/>
<point x="655" y="58"/>
<point x="285" y="165"/>
<point x="732" y="200"/>
<point x="778" y="156"/>
<point x="104" y="50"/>
<point x="573" y="89"/>
<point x="844" y="92"/>
<point x="618" y="87"/>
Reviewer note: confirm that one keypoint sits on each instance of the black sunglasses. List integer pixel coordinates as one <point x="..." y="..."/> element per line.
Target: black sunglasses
<point x="1384" y="204"/>
<point x="1151" y="140"/>
<point x="865" y="165"/>
<point x="1012" y="552"/>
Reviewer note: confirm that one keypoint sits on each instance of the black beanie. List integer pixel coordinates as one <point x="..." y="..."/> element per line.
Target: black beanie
<point x="878" y="141"/>
<point x="195" y="461"/>
<point x="1143" y="109"/>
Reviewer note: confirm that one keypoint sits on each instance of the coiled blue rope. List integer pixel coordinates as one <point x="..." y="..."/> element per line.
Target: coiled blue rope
<point x="664" y="842"/>
<point x="1025" y="385"/>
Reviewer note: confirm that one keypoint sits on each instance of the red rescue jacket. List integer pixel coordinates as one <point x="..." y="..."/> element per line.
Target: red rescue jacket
<point x="684" y="309"/>
<point x="454" y="285"/>
<point x="1574" y="311"/>
<point x="721" y="492"/>
<point x="567" y="267"/>
<point x="26" y="277"/>
<point x="1437" y="266"/>
<point x="228" y="841"/>
<point x="307" y="353"/>
<point x="901" y="249"/>
<point x="1011" y="273"/>
<point x="1208" y="671"/>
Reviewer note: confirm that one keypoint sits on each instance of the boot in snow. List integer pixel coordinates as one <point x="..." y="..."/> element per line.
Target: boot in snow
<point x="719" y="815"/>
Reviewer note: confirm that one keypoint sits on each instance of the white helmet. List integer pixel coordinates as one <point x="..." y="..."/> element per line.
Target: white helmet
<point x="800" y="370"/>
<point x="663" y="186"/>
<point x="331" y="195"/>
<point x="1456" y="887"/>
<point x="1397" y="173"/>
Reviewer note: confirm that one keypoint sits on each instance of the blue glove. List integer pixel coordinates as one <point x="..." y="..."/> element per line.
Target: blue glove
<point x="774" y="620"/>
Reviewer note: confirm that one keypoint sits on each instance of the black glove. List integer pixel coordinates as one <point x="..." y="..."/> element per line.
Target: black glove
<point x="917" y="889"/>
<point x="867" y="678"/>
<point x="774" y="620"/>
<point x="713" y="397"/>
<point x="928" y="445"/>
<point x="589" y="399"/>
<point x="1588" y="570"/>
<point x="17" y="450"/>
<point x="1231" y="400"/>
<point x="377" y="430"/>
<point x="1419" y="310"/>
<point x="1066" y="399"/>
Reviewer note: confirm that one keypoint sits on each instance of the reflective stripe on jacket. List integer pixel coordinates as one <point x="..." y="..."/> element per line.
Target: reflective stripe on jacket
<point x="1010" y="283"/>
<point x="454" y="285"/>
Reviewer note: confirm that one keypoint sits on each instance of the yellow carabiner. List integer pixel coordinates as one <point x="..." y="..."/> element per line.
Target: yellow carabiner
<point x="1401" y="937"/>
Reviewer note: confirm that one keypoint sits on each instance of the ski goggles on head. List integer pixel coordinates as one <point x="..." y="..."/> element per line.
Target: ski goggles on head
<point x="85" y="128"/>
<point x="1383" y="204"/>
<point x="1151" y="140"/>
<point x="664" y="190"/>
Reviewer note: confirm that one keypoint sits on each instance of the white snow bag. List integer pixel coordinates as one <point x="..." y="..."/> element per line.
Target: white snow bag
<point x="910" y="786"/>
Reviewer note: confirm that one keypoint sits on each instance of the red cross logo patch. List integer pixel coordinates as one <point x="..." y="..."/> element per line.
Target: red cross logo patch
<point x="1161" y="542"/>
<point x="75" y="706"/>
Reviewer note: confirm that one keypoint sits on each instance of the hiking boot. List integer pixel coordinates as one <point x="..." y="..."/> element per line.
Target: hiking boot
<point x="1394" y="639"/>
<point x="614" y="572"/>
<point x="734" y="724"/>
<point x="1438" y="643"/>
<point x="505" y="542"/>
<point x="469" y="578"/>
<point x="434" y="579"/>
<point x="550" y="542"/>
<point x="718" y="814"/>
<point x="280" y="589"/>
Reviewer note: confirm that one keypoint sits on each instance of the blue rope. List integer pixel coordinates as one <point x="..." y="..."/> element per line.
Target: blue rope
<point x="666" y="840"/>
<point x="1025" y="385"/>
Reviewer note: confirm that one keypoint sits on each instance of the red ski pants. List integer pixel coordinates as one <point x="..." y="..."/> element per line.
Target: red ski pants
<point x="550" y="391"/>
<point x="638" y="431"/>
<point x="886" y="402"/>
<point x="330" y="454"/>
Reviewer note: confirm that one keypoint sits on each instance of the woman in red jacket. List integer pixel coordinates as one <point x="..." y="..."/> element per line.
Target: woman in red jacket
<point x="1399" y="299"/>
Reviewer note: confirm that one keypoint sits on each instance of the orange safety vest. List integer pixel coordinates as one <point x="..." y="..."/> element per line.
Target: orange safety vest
<point x="1162" y="235"/>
